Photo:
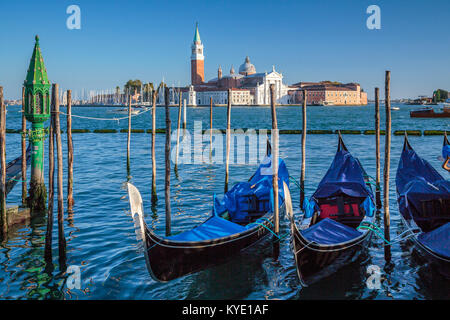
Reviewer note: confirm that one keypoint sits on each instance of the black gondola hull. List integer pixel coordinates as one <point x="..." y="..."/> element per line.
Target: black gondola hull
<point x="168" y="260"/>
<point x="315" y="262"/>
<point x="441" y="263"/>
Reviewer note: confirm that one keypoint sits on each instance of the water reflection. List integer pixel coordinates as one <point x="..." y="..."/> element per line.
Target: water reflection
<point x="27" y="265"/>
<point x="246" y="270"/>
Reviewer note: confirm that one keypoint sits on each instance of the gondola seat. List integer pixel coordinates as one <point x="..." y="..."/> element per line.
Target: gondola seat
<point x="437" y="240"/>
<point x="213" y="228"/>
<point x="347" y="211"/>
<point x="432" y="214"/>
<point x="255" y="208"/>
<point x="328" y="231"/>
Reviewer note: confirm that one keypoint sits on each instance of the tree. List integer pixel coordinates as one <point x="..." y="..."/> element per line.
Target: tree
<point x="133" y="85"/>
<point x="440" y="95"/>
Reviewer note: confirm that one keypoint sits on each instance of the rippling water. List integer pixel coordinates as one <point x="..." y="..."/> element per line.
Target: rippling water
<point x="100" y="233"/>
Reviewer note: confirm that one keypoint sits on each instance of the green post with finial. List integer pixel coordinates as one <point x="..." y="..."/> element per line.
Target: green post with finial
<point x="37" y="110"/>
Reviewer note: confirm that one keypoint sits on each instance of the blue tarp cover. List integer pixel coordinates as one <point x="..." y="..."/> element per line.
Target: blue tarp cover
<point x="438" y="240"/>
<point x="328" y="231"/>
<point x="213" y="228"/>
<point x="235" y="201"/>
<point x="345" y="175"/>
<point x="418" y="181"/>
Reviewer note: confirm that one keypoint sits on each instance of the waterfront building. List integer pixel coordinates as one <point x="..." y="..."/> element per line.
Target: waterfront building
<point x="327" y="93"/>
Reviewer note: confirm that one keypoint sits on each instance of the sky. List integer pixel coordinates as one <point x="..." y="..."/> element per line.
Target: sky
<point x="305" y="41"/>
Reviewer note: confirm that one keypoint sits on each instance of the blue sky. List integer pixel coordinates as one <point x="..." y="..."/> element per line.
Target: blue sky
<point x="305" y="40"/>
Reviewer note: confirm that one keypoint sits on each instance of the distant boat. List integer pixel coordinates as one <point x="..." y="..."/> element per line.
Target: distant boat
<point x="327" y="103"/>
<point x="395" y="108"/>
<point x="430" y="113"/>
<point x="125" y="111"/>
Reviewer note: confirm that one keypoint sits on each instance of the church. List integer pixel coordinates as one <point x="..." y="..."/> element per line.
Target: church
<point x="248" y="87"/>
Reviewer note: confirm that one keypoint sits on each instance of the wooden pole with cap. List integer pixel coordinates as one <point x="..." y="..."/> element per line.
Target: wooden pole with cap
<point x="387" y="166"/>
<point x="377" y="147"/>
<point x="227" y="158"/>
<point x="70" y="201"/>
<point x="302" y="175"/>
<point x="24" y="151"/>
<point x="4" y="219"/>
<point x="167" y="159"/>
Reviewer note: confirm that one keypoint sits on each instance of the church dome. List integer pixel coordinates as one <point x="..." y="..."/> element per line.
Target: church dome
<point x="247" y="68"/>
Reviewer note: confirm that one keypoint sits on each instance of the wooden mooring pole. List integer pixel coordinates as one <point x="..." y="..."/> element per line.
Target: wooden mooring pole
<point x="227" y="156"/>
<point x="57" y="128"/>
<point x="70" y="200"/>
<point x="51" y="183"/>
<point x="129" y="137"/>
<point x="4" y="219"/>
<point x="154" y="195"/>
<point x="184" y="115"/>
<point x="387" y="166"/>
<point x="210" y="127"/>
<point x="178" y="132"/>
<point x="167" y="158"/>
<point x="377" y="147"/>
<point x="24" y="151"/>
<point x="275" y="144"/>
<point x="302" y="175"/>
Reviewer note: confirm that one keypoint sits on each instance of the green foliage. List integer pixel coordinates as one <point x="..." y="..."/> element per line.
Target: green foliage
<point x="408" y="132"/>
<point x="348" y="131"/>
<point x="368" y="132"/>
<point x="132" y="130"/>
<point x="440" y="95"/>
<point x="105" y="131"/>
<point x="433" y="132"/>
<point x="319" y="131"/>
<point x="133" y="85"/>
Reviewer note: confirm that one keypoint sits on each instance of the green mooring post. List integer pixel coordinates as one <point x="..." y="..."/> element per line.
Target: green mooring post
<point x="37" y="111"/>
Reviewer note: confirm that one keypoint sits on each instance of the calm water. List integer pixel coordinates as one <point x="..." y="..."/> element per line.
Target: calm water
<point x="100" y="233"/>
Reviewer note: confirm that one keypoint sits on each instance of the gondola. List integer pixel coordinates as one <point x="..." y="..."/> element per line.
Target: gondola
<point x="423" y="197"/>
<point x="335" y="226"/>
<point x="14" y="170"/>
<point x="446" y="153"/>
<point x="243" y="217"/>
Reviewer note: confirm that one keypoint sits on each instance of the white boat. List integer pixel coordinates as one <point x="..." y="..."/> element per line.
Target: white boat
<point x="395" y="108"/>
<point x="125" y="111"/>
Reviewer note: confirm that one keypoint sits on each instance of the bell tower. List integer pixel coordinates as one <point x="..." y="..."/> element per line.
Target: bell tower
<point x="197" y="60"/>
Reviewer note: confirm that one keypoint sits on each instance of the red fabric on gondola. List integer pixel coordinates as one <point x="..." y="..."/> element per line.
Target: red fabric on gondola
<point x="332" y="211"/>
